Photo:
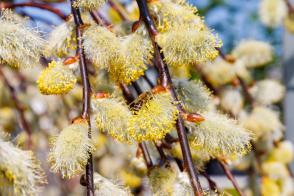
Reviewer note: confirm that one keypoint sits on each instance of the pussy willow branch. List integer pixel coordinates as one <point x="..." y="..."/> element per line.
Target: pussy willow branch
<point x="290" y="7"/>
<point x="167" y="82"/>
<point x="86" y="91"/>
<point x="23" y="121"/>
<point x="36" y="5"/>
<point x="230" y="176"/>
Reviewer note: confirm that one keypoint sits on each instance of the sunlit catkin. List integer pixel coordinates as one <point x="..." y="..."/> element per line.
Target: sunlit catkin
<point x="219" y="136"/>
<point x="161" y="180"/>
<point x="268" y="91"/>
<point x="20" y="172"/>
<point x="253" y="53"/>
<point x="101" y="46"/>
<point x="56" y="79"/>
<point x="105" y="187"/>
<point x="135" y="51"/>
<point x="232" y="101"/>
<point x="282" y="152"/>
<point x="193" y="95"/>
<point x="61" y="40"/>
<point x="219" y="72"/>
<point x="20" y="47"/>
<point x="70" y="150"/>
<point x="111" y="116"/>
<point x="154" y="119"/>
<point x="262" y="120"/>
<point x="89" y="4"/>
<point x="168" y="15"/>
<point x="272" y="12"/>
<point x="184" y="46"/>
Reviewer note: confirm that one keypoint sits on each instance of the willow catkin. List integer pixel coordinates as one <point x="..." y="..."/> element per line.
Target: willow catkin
<point x="155" y="118"/>
<point x="56" y="79"/>
<point x="112" y="116"/>
<point x="20" y="172"/>
<point x="70" y="150"/>
<point x="187" y="46"/>
<point x="220" y="136"/>
<point x="253" y="53"/>
<point x="20" y="46"/>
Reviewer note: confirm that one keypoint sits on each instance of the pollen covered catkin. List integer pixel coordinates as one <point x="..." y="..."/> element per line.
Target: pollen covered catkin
<point x="155" y="118"/>
<point x="20" y="46"/>
<point x="220" y="136"/>
<point x="135" y="51"/>
<point x="70" y="150"/>
<point x="56" y="79"/>
<point x="101" y="46"/>
<point x="89" y="4"/>
<point x="111" y="115"/>
<point x="105" y="187"/>
<point x="253" y="53"/>
<point x="184" y="46"/>
<point x="20" y="172"/>
<point x="193" y="95"/>
<point x="61" y="40"/>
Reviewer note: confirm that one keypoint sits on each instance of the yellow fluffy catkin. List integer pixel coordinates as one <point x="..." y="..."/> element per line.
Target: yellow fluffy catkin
<point x="193" y="95"/>
<point x="70" y="150"/>
<point x="185" y="46"/>
<point x="20" y="172"/>
<point x="272" y="12"/>
<point x="101" y="46"/>
<point x="20" y="47"/>
<point x="135" y="51"/>
<point x="253" y="53"/>
<point x="168" y="15"/>
<point x="56" y="79"/>
<point x="105" y="187"/>
<point x="112" y="116"/>
<point x="155" y="118"/>
<point x="161" y="180"/>
<point x="219" y="135"/>
<point x="262" y="120"/>
<point x="219" y="72"/>
<point x="89" y="4"/>
<point x="232" y="101"/>
<point x="268" y="91"/>
<point x="61" y="40"/>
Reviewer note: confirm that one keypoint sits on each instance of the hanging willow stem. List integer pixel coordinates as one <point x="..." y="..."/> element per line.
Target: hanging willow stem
<point x="36" y="5"/>
<point x="86" y="91"/>
<point x="166" y="81"/>
<point x="23" y="121"/>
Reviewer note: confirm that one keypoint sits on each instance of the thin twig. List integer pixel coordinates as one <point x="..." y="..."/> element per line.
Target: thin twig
<point x="86" y="91"/>
<point x="119" y="9"/>
<point x="230" y="176"/>
<point x="211" y="183"/>
<point x="167" y="82"/>
<point x="36" y="5"/>
<point x="23" y="121"/>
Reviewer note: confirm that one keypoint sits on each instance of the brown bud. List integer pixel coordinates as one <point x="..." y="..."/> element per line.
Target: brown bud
<point x="230" y="58"/>
<point x="101" y="95"/>
<point x="158" y="89"/>
<point x="71" y="60"/>
<point x="192" y="117"/>
<point x="136" y="25"/>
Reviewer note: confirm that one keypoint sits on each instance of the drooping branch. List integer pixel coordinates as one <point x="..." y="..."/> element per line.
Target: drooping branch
<point x="36" y="5"/>
<point x="230" y="176"/>
<point x="166" y="81"/>
<point x="23" y="121"/>
<point x="86" y="91"/>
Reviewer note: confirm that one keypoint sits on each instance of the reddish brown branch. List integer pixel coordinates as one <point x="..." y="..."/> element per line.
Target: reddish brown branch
<point x="86" y="91"/>
<point x="166" y="81"/>
<point x="23" y="121"/>
<point x="230" y="176"/>
<point x="119" y="9"/>
<point x="36" y="5"/>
